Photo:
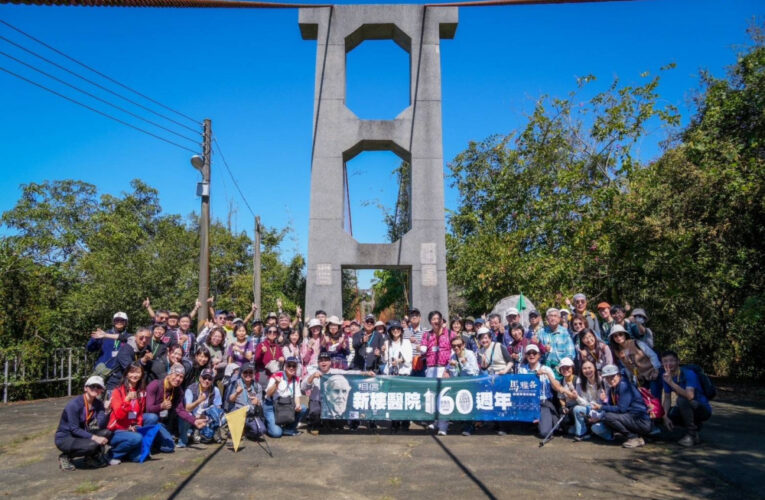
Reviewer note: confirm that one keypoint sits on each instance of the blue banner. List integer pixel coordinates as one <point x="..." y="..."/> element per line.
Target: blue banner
<point x="483" y="398"/>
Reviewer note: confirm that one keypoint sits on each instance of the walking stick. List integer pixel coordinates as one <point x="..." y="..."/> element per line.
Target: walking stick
<point x="549" y="435"/>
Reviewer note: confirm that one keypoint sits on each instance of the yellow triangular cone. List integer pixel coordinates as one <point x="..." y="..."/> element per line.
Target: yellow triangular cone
<point x="235" y="421"/>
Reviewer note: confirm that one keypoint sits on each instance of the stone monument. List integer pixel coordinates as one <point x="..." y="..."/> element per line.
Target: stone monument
<point x="414" y="135"/>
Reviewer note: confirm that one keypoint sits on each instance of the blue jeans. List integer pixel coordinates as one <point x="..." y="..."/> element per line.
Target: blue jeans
<point x="164" y="439"/>
<point x="580" y="419"/>
<point x="276" y="431"/>
<point x="126" y="445"/>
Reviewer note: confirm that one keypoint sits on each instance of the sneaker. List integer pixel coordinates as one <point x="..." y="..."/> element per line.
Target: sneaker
<point x="196" y="437"/>
<point x="115" y="461"/>
<point x="64" y="463"/>
<point x="583" y="437"/>
<point x="180" y="444"/>
<point x="442" y="433"/>
<point x="501" y="433"/>
<point x="687" y="441"/>
<point x="635" y="442"/>
<point x="314" y="432"/>
<point x="431" y="427"/>
<point x="466" y="433"/>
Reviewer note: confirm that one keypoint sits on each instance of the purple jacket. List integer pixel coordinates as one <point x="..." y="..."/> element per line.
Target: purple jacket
<point x="155" y="394"/>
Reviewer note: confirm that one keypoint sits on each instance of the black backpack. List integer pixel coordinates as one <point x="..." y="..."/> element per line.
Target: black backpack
<point x="710" y="391"/>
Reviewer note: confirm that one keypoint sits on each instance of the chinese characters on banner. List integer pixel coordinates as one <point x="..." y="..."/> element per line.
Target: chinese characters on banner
<point x="483" y="398"/>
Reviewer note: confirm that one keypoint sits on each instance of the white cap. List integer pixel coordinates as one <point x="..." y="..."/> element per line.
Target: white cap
<point x="565" y="311"/>
<point x="617" y="329"/>
<point x="531" y="347"/>
<point x="512" y="310"/>
<point x="609" y="370"/>
<point x="482" y="331"/>
<point x="379" y="323"/>
<point x="565" y="362"/>
<point x="120" y="315"/>
<point x="95" y="380"/>
<point x="314" y="322"/>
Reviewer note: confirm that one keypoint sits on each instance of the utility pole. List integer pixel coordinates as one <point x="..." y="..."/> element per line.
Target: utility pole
<point x="203" y="190"/>
<point x="256" y="266"/>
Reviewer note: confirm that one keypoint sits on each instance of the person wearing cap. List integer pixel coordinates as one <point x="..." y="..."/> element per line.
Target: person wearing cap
<point x="549" y="383"/>
<point x="580" y="308"/>
<point x="535" y="326"/>
<point x="201" y="399"/>
<point x="244" y="391"/>
<point x="567" y="394"/>
<point x="128" y="403"/>
<point x="271" y="319"/>
<point x="267" y="352"/>
<point x="639" y="361"/>
<point x="624" y="410"/>
<point x="172" y="321"/>
<point x="312" y="344"/>
<point x="108" y="342"/>
<point x="557" y="341"/>
<point x="512" y="315"/>
<point x="337" y="342"/>
<point x="129" y="354"/>
<point x="639" y="318"/>
<point x="604" y="311"/>
<point x="367" y="345"/>
<point x="82" y="428"/>
<point x="165" y="405"/>
<point x="284" y="384"/>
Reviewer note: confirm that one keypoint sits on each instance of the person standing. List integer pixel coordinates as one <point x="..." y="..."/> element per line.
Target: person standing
<point x="436" y="346"/>
<point x="367" y="346"/>
<point x="556" y="340"/>
<point x="462" y="363"/>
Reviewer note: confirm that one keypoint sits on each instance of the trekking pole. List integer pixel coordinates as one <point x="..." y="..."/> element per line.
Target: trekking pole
<point x="549" y="435"/>
<point x="267" y="447"/>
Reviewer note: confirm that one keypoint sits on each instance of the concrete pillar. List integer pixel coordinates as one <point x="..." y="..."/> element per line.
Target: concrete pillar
<point x="415" y="135"/>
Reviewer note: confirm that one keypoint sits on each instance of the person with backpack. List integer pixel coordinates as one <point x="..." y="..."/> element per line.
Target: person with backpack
<point x="692" y="402"/>
<point x="244" y="391"/>
<point x="623" y="411"/>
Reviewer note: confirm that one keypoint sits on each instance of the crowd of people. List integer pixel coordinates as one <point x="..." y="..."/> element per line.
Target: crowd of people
<point x="599" y="375"/>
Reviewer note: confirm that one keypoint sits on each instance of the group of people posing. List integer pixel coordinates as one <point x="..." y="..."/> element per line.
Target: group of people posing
<point x="599" y="375"/>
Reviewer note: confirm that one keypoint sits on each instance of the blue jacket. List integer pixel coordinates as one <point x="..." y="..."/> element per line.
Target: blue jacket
<point x="108" y="347"/>
<point x="125" y="356"/>
<point x="72" y="422"/>
<point x="629" y="400"/>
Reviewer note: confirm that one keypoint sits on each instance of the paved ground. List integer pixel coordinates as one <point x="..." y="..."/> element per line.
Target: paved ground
<point x="731" y="464"/>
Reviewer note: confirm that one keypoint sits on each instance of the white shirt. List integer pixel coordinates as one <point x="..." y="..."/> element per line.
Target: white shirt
<point x="283" y="389"/>
<point x="401" y="352"/>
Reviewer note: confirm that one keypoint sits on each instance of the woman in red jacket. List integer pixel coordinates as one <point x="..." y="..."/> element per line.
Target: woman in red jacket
<point x="128" y="404"/>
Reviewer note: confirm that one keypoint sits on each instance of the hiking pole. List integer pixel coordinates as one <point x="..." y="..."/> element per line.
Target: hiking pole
<point x="267" y="447"/>
<point x="549" y="435"/>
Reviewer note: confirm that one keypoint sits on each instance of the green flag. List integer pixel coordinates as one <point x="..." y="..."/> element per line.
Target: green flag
<point x="521" y="302"/>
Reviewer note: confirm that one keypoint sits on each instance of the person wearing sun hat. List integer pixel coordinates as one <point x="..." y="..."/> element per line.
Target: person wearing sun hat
<point x="548" y="383"/>
<point x="624" y="410"/>
<point x="82" y="428"/>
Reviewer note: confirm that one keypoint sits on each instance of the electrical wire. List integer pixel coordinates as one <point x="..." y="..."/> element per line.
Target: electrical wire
<point x="96" y="84"/>
<point x="96" y="110"/>
<point x="233" y="179"/>
<point x="102" y="75"/>
<point x="93" y="96"/>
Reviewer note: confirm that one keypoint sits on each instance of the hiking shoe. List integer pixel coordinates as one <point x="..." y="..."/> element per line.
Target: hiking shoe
<point x="466" y="433"/>
<point x="431" y="427"/>
<point x="115" y="461"/>
<point x="583" y="437"/>
<point x="501" y="433"/>
<point x="314" y="432"/>
<point x="687" y="441"/>
<point x="635" y="442"/>
<point x="64" y="463"/>
<point x="196" y="437"/>
<point x="442" y="433"/>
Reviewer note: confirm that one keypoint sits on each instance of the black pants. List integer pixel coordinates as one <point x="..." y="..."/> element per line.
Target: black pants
<point x="689" y="414"/>
<point x="548" y="415"/>
<point x="628" y="424"/>
<point x="82" y="447"/>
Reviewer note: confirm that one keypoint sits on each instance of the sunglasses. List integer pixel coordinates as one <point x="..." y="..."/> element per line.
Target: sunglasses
<point x="248" y="372"/>
<point x="532" y="353"/>
<point x="291" y="365"/>
<point x="207" y="377"/>
<point x="457" y="345"/>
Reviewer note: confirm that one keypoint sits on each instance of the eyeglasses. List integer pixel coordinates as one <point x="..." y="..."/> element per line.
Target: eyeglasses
<point x="143" y="337"/>
<point x="457" y="346"/>
<point x="269" y="332"/>
<point x="579" y="301"/>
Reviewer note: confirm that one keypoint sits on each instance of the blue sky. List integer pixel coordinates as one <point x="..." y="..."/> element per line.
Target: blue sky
<point x="252" y="74"/>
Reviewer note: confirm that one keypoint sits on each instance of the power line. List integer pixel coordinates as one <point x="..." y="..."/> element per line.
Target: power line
<point x="233" y="179"/>
<point x="96" y="71"/>
<point x="195" y="141"/>
<point x="96" y="110"/>
<point x="96" y="84"/>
